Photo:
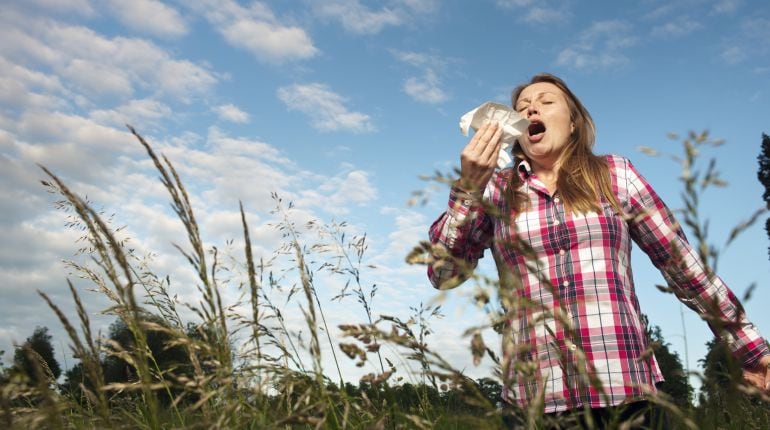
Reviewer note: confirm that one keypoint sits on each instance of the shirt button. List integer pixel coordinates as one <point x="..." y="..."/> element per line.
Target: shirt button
<point x="556" y="222"/>
<point x="562" y="252"/>
<point x="467" y="202"/>
<point x="565" y="283"/>
<point x="556" y="200"/>
<point x="573" y="347"/>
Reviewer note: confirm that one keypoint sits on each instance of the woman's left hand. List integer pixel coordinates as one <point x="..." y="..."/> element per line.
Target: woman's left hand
<point x="759" y="375"/>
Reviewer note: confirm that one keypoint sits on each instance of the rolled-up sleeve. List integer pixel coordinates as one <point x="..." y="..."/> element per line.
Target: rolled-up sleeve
<point x="459" y="237"/>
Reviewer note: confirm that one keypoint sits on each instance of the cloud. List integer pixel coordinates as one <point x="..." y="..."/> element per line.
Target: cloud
<point x="751" y="41"/>
<point x="420" y="6"/>
<point x="352" y="188"/>
<point x="676" y="28"/>
<point x="426" y="87"/>
<point x="357" y="18"/>
<point x="514" y="3"/>
<point x="97" y="66"/>
<point x="150" y="16"/>
<point x="539" y="15"/>
<point x="81" y="7"/>
<point x="24" y="88"/>
<point x="536" y="12"/>
<point x="601" y="46"/>
<point x="230" y="112"/>
<point x="257" y="30"/>
<point x="327" y="110"/>
<point x="727" y="6"/>
<point x="138" y="113"/>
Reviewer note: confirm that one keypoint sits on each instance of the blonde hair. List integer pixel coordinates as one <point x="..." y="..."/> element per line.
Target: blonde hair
<point x="583" y="178"/>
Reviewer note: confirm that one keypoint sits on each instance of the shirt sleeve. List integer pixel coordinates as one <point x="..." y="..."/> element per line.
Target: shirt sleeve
<point x="654" y="228"/>
<point x="459" y="237"/>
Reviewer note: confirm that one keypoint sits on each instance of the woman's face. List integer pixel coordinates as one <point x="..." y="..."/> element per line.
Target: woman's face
<point x="550" y="128"/>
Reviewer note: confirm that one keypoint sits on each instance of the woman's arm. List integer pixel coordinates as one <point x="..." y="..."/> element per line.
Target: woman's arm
<point x="460" y="235"/>
<point x="654" y="228"/>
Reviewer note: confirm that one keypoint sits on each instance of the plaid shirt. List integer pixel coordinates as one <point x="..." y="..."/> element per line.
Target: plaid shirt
<point x="586" y="260"/>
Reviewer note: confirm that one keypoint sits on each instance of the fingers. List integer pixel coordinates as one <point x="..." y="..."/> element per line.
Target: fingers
<point x="754" y="378"/>
<point x="483" y="136"/>
<point x="758" y="376"/>
<point x="767" y="380"/>
<point x="493" y="148"/>
<point x="477" y="160"/>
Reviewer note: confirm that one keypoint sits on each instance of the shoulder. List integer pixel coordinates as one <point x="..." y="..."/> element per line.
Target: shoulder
<point x="617" y="162"/>
<point x="620" y="167"/>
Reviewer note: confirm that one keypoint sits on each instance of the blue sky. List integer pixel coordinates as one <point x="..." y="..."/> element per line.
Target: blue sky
<point x="340" y="106"/>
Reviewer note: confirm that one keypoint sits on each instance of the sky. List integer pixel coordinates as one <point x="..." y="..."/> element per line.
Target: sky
<point x="341" y="107"/>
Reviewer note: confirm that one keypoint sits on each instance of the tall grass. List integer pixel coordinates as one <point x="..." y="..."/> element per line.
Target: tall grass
<point x="251" y="370"/>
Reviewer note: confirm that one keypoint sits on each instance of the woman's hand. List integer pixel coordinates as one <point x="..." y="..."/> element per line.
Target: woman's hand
<point x="479" y="158"/>
<point x="759" y="375"/>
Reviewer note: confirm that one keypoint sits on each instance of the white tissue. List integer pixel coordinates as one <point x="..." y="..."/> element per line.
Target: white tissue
<point x="513" y="126"/>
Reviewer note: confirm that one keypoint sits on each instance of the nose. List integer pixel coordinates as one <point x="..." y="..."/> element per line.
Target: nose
<point x="532" y="109"/>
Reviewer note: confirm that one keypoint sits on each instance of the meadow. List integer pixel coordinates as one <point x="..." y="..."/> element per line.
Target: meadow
<point x="230" y="368"/>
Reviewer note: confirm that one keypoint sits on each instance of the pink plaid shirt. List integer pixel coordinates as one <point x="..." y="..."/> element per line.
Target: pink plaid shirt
<point x="586" y="258"/>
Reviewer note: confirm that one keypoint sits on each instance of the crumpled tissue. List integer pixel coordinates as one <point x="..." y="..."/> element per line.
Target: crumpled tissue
<point x="513" y="126"/>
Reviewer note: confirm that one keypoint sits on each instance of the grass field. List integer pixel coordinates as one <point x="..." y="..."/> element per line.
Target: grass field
<point x="228" y="369"/>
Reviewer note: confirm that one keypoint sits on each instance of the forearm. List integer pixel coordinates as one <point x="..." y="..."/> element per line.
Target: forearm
<point x="459" y="237"/>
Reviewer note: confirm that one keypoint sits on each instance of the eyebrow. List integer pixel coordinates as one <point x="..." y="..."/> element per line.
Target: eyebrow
<point x="538" y="95"/>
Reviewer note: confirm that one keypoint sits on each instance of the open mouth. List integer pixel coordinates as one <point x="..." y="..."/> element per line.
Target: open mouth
<point x="536" y="131"/>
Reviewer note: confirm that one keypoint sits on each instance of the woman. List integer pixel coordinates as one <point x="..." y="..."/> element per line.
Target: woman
<point x="560" y="225"/>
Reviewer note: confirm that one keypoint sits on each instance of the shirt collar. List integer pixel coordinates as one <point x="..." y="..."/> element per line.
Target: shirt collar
<point x="524" y="169"/>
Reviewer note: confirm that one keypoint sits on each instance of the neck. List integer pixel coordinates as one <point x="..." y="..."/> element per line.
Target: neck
<point x="545" y="170"/>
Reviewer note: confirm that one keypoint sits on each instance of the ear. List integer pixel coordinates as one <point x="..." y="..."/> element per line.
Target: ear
<point x="572" y="128"/>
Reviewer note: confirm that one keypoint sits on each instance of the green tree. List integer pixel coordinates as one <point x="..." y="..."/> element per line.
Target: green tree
<point x="492" y="390"/>
<point x="721" y="403"/>
<point x="676" y="382"/>
<point x="763" y="174"/>
<point x="37" y="347"/>
<point x="169" y="361"/>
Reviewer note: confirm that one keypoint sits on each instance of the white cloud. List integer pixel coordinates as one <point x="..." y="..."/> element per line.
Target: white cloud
<point x="540" y="15"/>
<point x="727" y="6"/>
<point x="82" y="7"/>
<point x="601" y="46"/>
<point x="257" y="30"/>
<point x="327" y="110"/>
<point x="751" y="41"/>
<point x="420" y="6"/>
<point x="101" y="67"/>
<point x="676" y="28"/>
<point x="137" y="113"/>
<point x="22" y="88"/>
<point x="230" y="112"/>
<point x="425" y="88"/>
<point x="150" y="16"/>
<point x="351" y="188"/>
<point x="98" y="79"/>
<point x="357" y="18"/>
<point x="539" y="12"/>
<point x="514" y="3"/>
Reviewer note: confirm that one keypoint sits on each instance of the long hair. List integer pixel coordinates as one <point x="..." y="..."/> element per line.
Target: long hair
<point x="583" y="178"/>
